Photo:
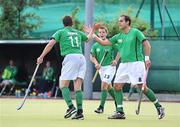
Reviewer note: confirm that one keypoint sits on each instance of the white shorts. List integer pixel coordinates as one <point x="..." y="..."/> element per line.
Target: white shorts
<point x="73" y="66"/>
<point x="131" y="72"/>
<point x="107" y="73"/>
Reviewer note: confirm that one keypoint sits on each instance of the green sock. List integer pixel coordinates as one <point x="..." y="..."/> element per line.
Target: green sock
<point x="151" y="96"/>
<point x="66" y="95"/>
<point x="119" y="100"/>
<point x="111" y="92"/>
<point x="79" y="98"/>
<point x="138" y="90"/>
<point x="103" y="97"/>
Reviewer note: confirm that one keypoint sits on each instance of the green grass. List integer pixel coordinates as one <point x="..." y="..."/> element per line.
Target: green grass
<point x="49" y="113"/>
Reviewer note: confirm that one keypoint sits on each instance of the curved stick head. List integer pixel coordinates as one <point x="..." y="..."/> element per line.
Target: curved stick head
<point x="19" y="107"/>
<point x="137" y="112"/>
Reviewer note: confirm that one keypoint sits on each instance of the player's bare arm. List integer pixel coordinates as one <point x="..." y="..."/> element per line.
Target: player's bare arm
<point x="93" y="60"/>
<point x="147" y="51"/>
<point x="91" y="31"/>
<point x="115" y="61"/>
<point x="46" y="50"/>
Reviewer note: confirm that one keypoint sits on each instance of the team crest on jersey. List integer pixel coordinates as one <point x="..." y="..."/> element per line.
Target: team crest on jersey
<point x="98" y="50"/>
<point x="120" y="40"/>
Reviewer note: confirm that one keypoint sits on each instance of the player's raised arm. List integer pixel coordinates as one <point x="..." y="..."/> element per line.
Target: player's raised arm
<point x="100" y="41"/>
<point x="91" y="34"/>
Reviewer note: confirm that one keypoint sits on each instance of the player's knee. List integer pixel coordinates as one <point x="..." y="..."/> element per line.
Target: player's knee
<point x="77" y="88"/>
<point x="145" y="89"/>
<point x="104" y="86"/>
<point x="110" y="86"/>
<point x="117" y="86"/>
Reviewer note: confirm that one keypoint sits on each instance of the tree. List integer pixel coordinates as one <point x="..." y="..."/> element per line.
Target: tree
<point x="15" y="23"/>
<point x="138" y="23"/>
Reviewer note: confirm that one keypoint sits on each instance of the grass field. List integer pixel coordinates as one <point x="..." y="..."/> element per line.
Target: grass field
<point x="49" y="113"/>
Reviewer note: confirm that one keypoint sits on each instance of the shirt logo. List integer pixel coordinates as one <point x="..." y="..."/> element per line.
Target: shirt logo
<point x="120" y="40"/>
<point x="98" y="50"/>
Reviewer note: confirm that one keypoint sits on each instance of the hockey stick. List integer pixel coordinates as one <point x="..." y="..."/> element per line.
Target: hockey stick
<point x="102" y="60"/>
<point x="28" y="89"/>
<point x="141" y="93"/>
<point x="3" y="90"/>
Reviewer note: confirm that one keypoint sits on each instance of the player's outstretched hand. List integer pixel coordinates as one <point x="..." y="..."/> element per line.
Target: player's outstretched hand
<point x="87" y="29"/>
<point x="96" y="26"/>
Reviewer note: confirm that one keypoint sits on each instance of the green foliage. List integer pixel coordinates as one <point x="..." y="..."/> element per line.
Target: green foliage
<point x="140" y="24"/>
<point x="15" y="23"/>
<point x="77" y="24"/>
<point x="113" y="26"/>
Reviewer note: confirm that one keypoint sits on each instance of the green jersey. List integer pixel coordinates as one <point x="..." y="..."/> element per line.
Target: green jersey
<point x="98" y="51"/>
<point x="48" y="73"/>
<point x="131" y="45"/>
<point x="70" y="40"/>
<point x="9" y="72"/>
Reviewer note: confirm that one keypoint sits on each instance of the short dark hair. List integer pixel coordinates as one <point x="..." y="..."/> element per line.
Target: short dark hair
<point x="127" y="18"/>
<point x="67" y="21"/>
<point x="104" y="28"/>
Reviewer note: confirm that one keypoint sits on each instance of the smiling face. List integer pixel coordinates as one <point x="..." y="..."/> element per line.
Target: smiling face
<point x="102" y="33"/>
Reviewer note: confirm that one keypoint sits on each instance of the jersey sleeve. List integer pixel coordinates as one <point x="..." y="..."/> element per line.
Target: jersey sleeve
<point x="93" y="51"/>
<point x="56" y="36"/>
<point x="140" y="36"/>
<point x="113" y="40"/>
<point x="83" y="36"/>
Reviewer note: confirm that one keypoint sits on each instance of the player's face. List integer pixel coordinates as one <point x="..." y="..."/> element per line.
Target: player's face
<point x="11" y="63"/>
<point x="102" y="34"/>
<point x="122" y="23"/>
<point x="48" y="64"/>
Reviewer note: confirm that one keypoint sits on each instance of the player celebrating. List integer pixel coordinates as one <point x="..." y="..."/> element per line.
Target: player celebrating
<point x="132" y="66"/>
<point x="73" y="66"/>
<point x="107" y="69"/>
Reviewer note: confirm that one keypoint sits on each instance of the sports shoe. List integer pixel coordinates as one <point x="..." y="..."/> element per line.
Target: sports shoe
<point x="117" y="115"/>
<point x="70" y="112"/>
<point x="99" y="110"/>
<point x="78" y="116"/>
<point x="160" y="111"/>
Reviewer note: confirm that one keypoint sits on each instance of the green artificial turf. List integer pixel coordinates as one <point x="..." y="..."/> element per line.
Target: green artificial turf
<point x="50" y="113"/>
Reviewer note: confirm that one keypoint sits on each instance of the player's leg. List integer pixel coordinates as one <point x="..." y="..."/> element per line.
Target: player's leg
<point x="81" y="68"/>
<point x="120" y="79"/>
<point x="64" y="85"/>
<point x="136" y="77"/>
<point x="119" y="114"/>
<point x="111" y="91"/>
<point x="106" y="74"/>
<point x="79" y="98"/>
<point x="68" y="72"/>
<point x="3" y="87"/>
<point x="151" y="96"/>
<point x="103" y="97"/>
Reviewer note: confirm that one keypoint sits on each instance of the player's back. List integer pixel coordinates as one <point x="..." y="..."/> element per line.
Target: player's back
<point x="70" y="40"/>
